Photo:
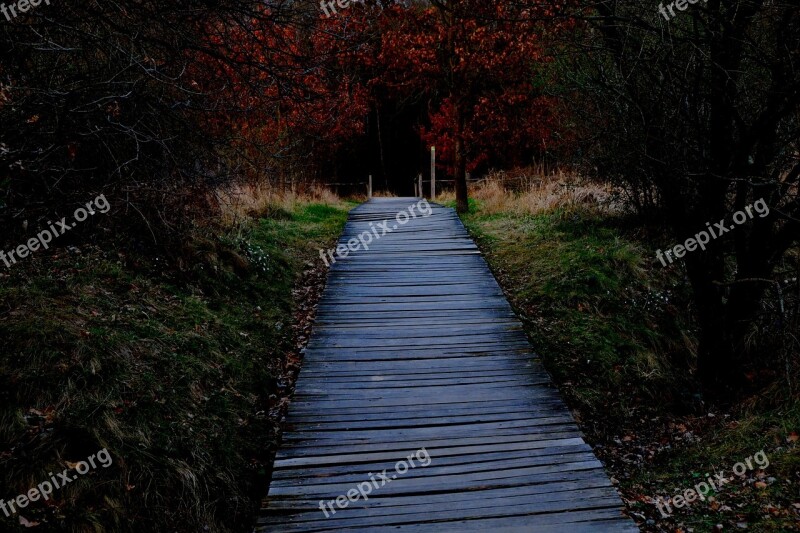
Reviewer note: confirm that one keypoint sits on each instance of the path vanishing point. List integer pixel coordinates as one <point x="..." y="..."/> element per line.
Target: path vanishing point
<point x="417" y="353"/>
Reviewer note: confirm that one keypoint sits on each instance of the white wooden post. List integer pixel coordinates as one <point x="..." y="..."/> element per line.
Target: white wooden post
<point x="369" y="187"/>
<point x="433" y="173"/>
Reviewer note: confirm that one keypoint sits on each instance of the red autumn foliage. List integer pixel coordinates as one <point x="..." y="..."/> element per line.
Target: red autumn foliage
<point x="279" y="94"/>
<point x="478" y="67"/>
<point x="478" y="64"/>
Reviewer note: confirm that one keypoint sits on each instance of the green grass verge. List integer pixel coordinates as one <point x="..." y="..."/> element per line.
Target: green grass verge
<point x="606" y="323"/>
<point x="175" y="373"/>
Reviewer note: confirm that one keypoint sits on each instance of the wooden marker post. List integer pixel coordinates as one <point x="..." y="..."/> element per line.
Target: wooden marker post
<point x="433" y="173"/>
<point x="369" y="187"/>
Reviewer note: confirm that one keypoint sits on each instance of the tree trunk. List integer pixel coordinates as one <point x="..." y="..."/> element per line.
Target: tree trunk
<point x="714" y="366"/>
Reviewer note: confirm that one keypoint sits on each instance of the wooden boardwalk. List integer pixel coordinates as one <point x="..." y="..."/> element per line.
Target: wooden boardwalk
<point x="415" y="346"/>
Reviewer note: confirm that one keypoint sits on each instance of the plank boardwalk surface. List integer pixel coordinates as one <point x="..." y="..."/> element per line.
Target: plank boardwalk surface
<point x="415" y="346"/>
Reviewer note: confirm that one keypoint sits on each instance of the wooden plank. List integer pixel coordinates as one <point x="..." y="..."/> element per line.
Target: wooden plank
<point x="378" y="420"/>
<point x="342" y="437"/>
<point x="546" y="456"/>
<point x="459" y="466"/>
<point x="456" y="474"/>
<point x="597" y="520"/>
<point x="540" y="504"/>
<point x="298" y="424"/>
<point x="455" y="482"/>
<point x="525" y="439"/>
<point x="284" y="460"/>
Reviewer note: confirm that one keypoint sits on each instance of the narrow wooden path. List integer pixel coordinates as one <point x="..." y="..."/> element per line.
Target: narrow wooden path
<point x="415" y="346"/>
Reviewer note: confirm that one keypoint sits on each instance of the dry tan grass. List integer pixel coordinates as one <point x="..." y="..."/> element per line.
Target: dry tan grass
<point x="524" y="191"/>
<point x="244" y="202"/>
<point x="383" y="194"/>
<point x="521" y="191"/>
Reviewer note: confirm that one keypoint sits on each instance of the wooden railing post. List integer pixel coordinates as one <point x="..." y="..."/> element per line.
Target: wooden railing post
<point x="369" y="187"/>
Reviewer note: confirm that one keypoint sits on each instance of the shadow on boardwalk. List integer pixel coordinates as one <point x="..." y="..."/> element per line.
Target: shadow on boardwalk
<point x="416" y="350"/>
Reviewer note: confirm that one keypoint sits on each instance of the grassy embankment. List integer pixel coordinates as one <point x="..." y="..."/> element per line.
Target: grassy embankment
<point x="614" y="328"/>
<point x="176" y="373"/>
